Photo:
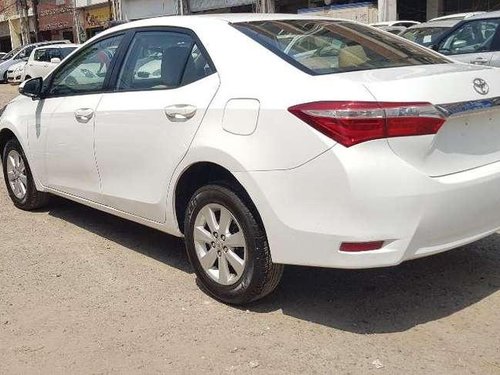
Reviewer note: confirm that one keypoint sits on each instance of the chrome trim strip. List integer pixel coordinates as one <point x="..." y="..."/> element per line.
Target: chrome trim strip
<point x="454" y="109"/>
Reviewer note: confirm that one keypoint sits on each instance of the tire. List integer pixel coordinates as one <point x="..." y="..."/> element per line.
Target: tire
<point x="259" y="275"/>
<point x="32" y="198"/>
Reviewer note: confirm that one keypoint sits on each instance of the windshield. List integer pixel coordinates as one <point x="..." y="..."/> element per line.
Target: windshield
<point x="425" y="36"/>
<point x="11" y="53"/>
<point x="325" y="47"/>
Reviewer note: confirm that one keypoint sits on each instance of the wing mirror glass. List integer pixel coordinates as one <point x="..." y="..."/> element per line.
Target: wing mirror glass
<point x="31" y="88"/>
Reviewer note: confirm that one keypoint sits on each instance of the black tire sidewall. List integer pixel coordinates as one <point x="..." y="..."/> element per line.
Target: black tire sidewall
<point x="254" y="237"/>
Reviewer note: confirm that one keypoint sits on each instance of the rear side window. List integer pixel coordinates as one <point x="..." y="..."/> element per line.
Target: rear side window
<point x="162" y="60"/>
<point x="325" y="47"/>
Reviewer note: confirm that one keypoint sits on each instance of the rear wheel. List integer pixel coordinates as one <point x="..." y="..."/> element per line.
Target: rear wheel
<point x="18" y="178"/>
<point x="228" y="248"/>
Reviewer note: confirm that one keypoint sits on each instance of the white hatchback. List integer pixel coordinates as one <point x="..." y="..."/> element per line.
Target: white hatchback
<point x="44" y="59"/>
<point x="265" y="140"/>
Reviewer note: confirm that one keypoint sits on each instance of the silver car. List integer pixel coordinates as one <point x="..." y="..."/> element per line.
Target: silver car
<point x="19" y="54"/>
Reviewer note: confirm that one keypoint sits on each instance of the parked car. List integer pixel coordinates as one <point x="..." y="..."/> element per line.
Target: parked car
<point x="429" y="33"/>
<point x="399" y="23"/>
<point x="15" y="73"/>
<point x="456" y="17"/>
<point x="476" y="40"/>
<point x="21" y="53"/>
<point x="43" y="59"/>
<point x="396" y="30"/>
<point x="378" y="153"/>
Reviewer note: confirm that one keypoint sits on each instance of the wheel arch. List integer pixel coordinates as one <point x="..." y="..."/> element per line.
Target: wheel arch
<point x="202" y="173"/>
<point x="5" y="135"/>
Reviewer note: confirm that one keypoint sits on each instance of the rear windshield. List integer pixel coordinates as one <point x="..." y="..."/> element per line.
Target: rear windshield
<point x="424" y="35"/>
<point x="325" y="47"/>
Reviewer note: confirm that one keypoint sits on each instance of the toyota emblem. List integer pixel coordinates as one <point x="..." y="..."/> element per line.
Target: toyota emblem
<point x="481" y="86"/>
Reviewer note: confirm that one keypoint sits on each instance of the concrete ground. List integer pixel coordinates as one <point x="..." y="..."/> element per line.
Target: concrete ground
<point x="83" y="292"/>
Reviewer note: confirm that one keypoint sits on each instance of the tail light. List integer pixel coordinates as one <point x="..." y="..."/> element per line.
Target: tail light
<point x="350" y="123"/>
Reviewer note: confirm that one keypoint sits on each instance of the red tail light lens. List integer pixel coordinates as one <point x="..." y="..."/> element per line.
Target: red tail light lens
<point x="350" y="123"/>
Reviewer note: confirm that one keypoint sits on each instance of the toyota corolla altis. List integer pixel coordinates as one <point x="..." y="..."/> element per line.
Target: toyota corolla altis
<point x="265" y="140"/>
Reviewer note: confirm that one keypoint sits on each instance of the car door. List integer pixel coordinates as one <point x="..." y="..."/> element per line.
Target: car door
<point x="37" y="62"/>
<point x="52" y="53"/>
<point x="473" y="42"/>
<point x="145" y="127"/>
<point x="64" y="126"/>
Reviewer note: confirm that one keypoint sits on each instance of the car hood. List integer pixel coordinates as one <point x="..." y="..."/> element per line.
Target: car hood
<point x="6" y="64"/>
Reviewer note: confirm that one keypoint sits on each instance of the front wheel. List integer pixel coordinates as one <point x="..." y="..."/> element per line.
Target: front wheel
<point x="228" y="248"/>
<point x="19" y="180"/>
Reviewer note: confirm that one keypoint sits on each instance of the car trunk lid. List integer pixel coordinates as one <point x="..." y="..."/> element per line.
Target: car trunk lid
<point x="469" y="138"/>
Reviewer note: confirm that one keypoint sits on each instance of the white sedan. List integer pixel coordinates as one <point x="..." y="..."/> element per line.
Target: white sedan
<point x="351" y="148"/>
<point x="15" y="73"/>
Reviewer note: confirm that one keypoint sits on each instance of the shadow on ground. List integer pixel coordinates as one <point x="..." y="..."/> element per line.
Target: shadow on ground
<point x="360" y="301"/>
<point x="150" y="242"/>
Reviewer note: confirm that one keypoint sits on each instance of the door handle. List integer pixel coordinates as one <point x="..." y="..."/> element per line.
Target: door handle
<point x="480" y="61"/>
<point x="84" y="115"/>
<point x="180" y="112"/>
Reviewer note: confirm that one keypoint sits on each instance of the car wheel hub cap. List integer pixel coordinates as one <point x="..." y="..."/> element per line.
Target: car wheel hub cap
<point x="220" y="244"/>
<point x="16" y="174"/>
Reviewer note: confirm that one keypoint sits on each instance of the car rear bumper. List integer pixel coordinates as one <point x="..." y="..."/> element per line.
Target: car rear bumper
<point x="367" y="193"/>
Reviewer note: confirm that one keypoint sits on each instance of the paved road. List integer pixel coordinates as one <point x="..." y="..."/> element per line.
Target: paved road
<point x="83" y="292"/>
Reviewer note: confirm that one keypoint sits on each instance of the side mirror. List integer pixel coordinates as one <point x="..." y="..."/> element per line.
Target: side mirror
<point x="31" y="88"/>
<point x="55" y="60"/>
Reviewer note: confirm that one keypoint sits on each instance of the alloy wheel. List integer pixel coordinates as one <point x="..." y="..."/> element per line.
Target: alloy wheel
<point x="220" y="244"/>
<point x="16" y="174"/>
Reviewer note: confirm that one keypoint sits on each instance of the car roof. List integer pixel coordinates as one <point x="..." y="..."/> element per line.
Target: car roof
<point x="393" y="23"/>
<point x="199" y="20"/>
<point x="443" y="23"/>
<point x="495" y="14"/>
<point x="456" y="16"/>
<point x="65" y="45"/>
<point x="211" y="18"/>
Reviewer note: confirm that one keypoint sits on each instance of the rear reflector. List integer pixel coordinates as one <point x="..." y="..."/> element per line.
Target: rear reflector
<point x="354" y="247"/>
<point x="350" y="123"/>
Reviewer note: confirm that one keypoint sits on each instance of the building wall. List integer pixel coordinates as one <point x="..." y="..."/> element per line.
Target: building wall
<point x="56" y="19"/>
<point x="10" y="26"/>
<point x="364" y="12"/>
<point x="136" y="9"/>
